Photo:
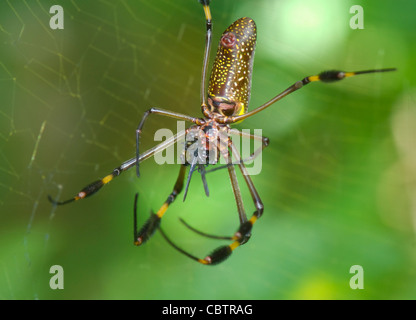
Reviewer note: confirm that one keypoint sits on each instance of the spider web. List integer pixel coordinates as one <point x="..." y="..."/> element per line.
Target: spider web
<point x="71" y="100"/>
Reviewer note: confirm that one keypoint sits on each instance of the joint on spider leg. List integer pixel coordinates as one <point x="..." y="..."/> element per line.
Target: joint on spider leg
<point x="116" y="172"/>
<point x="90" y="189"/>
<point x="259" y="212"/>
<point x="332" y="75"/>
<point x="222" y="253"/>
<point x="245" y="239"/>
<point x="206" y="111"/>
<point x="300" y="84"/>
<point x="243" y="233"/>
<point x="204" y="2"/>
<point x="148" y="229"/>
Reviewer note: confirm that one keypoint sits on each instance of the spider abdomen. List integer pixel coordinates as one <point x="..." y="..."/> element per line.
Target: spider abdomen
<point x="230" y="82"/>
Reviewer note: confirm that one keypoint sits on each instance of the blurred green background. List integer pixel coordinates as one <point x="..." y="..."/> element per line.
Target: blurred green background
<point x="338" y="180"/>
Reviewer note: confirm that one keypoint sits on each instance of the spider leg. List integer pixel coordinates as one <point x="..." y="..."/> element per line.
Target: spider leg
<point x="212" y="259"/>
<point x="97" y="185"/>
<point x="204" y="233"/>
<point x="325" y="76"/>
<point x="165" y="113"/>
<point x="236" y="189"/>
<point x="237" y="193"/>
<point x="264" y="141"/>
<point x="153" y="222"/>
<point x="244" y="231"/>
<point x="241" y="212"/>
<point x="202" y="171"/>
<point x="178" y="248"/>
<point x="188" y="180"/>
<point x="208" y="42"/>
<point x="243" y="218"/>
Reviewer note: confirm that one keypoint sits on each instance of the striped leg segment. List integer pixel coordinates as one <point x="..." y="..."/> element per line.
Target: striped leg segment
<point x="90" y="189"/>
<point x="153" y="222"/>
<point x="325" y="76"/>
<point x="243" y="233"/>
<point x="97" y="185"/>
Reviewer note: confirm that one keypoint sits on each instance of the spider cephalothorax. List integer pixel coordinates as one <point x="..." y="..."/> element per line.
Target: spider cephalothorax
<point x="205" y="143"/>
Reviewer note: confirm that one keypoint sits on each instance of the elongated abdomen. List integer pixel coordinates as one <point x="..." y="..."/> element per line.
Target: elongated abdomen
<point x="230" y="82"/>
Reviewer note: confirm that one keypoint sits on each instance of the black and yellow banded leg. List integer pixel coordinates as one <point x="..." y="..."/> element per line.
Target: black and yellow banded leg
<point x="153" y="223"/>
<point x="325" y="76"/>
<point x="244" y="231"/>
<point x="243" y="234"/>
<point x="91" y="188"/>
<point x="217" y="256"/>
<point x="336" y="75"/>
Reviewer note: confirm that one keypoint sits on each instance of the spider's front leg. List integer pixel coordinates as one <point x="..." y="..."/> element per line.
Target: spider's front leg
<point x="95" y="186"/>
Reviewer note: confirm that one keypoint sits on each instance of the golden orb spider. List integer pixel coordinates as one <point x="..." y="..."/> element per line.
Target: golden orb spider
<point x="225" y="102"/>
